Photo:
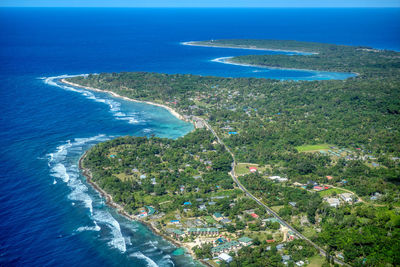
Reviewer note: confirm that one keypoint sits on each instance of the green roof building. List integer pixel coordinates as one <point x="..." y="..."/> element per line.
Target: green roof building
<point x="246" y="241"/>
<point x="203" y="231"/>
<point x="225" y="247"/>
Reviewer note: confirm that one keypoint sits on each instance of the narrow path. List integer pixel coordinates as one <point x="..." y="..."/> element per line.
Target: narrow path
<point x="269" y="210"/>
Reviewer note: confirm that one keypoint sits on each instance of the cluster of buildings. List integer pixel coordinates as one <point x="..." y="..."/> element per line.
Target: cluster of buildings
<point x="342" y="198"/>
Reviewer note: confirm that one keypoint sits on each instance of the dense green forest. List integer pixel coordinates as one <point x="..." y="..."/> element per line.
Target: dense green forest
<point x="130" y="167"/>
<point x="264" y="121"/>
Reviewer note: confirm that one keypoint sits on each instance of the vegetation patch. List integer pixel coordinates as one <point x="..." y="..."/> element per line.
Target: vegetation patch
<point x="312" y="148"/>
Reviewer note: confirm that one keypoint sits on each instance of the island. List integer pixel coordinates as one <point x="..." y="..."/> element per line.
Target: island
<point x="276" y="173"/>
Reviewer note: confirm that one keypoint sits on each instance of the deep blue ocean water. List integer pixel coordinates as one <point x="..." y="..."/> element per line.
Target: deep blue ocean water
<point x="49" y="215"/>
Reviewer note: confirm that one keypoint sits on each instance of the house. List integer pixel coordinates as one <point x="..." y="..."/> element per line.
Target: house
<point x="217" y="216"/>
<point x="177" y="233"/>
<point x="293" y="204"/>
<point x="174" y="221"/>
<point x="202" y="207"/>
<point x="255" y="216"/>
<point x="225" y="247"/>
<point x="143" y="176"/>
<point x="225" y="221"/>
<point x="245" y="241"/>
<point x="300" y="263"/>
<point x="203" y="231"/>
<point x="187" y="203"/>
<point x="291" y="236"/>
<point x="280" y="247"/>
<point x="333" y="202"/>
<point x="285" y="258"/>
<point x="253" y="169"/>
<point x="278" y="178"/>
<point x="232" y="133"/>
<point x="150" y="209"/>
<point x="318" y="188"/>
<point x="225" y="257"/>
<point x="221" y="240"/>
<point x="375" y="196"/>
<point x="346" y="197"/>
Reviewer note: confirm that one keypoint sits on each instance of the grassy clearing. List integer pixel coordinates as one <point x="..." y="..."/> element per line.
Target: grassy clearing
<point x="316" y="261"/>
<point x="309" y="232"/>
<point x="243" y="168"/>
<point x="310" y="148"/>
<point x="123" y="177"/>
<point x="330" y="191"/>
<point x="276" y="208"/>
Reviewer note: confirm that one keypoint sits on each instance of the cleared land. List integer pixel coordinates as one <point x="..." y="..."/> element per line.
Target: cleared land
<point x="244" y="168"/>
<point x="330" y="191"/>
<point x="310" y="148"/>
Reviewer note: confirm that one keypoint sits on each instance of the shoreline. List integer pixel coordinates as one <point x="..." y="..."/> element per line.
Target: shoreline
<point x="171" y="110"/>
<point x="195" y="43"/>
<point x="120" y="210"/>
<point x="225" y="60"/>
<point x="109" y="201"/>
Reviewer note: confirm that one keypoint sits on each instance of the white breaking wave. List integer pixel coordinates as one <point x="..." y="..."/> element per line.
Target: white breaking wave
<point x="63" y="167"/>
<point x="166" y="261"/>
<point x="89" y="228"/>
<point x="115" y="106"/>
<point x="141" y="256"/>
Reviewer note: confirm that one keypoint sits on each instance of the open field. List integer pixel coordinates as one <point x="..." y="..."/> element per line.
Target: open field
<point x="243" y="168"/>
<point x="316" y="261"/>
<point x="330" y="191"/>
<point x="310" y="148"/>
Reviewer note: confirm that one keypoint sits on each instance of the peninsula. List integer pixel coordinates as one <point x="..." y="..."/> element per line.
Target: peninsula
<point x="276" y="172"/>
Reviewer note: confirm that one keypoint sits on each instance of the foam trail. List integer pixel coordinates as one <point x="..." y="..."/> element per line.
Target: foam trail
<point x="63" y="166"/>
<point x="114" y="106"/>
<point x="118" y="241"/>
<point x="140" y="255"/>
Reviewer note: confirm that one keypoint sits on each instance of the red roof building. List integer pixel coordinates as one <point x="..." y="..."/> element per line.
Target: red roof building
<point x="255" y="216"/>
<point x="329" y="177"/>
<point x="318" y="188"/>
<point x="252" y="169"/>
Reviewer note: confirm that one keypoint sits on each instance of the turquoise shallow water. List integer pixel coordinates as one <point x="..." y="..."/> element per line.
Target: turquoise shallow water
<point x="50" y="216"/>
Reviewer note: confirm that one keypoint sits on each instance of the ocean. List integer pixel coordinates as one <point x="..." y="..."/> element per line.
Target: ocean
<point x="49" y="215"/>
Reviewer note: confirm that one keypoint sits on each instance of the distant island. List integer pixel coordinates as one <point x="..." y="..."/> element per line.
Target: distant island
<point x="276" y="172"/>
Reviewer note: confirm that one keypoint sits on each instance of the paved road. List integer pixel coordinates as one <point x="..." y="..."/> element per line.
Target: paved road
<point x="269" y="210"/>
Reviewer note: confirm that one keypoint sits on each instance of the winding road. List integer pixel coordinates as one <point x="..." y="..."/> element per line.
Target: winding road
<point x="269" y="210"/>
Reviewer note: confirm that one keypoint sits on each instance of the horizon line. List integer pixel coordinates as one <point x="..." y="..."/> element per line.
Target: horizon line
<point x="327" y="7"/>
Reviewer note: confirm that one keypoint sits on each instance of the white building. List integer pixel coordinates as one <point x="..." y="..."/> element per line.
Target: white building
<point x="225" y="257"/>
<point x="278" y="178"/>
<point x="346" y="197"/>
<point x="333" y="202"/>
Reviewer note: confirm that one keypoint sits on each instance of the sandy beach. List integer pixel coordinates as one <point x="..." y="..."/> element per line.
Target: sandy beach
<point x="226" y="60"/>
<point x="195" y="43"/>
<point x="171" y="110"/>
